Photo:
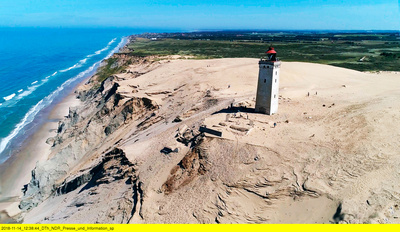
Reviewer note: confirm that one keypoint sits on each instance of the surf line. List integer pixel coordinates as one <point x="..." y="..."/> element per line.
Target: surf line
<point x="30" y="115"/>
<point x="103" y="49"/>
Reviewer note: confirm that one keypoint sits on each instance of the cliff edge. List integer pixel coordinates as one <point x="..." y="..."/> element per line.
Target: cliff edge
<point x="133" y="152"/>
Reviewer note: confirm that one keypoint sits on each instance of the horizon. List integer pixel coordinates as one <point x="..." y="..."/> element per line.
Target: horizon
<point x="172" y="30"/>
<point x="206" y="15"/>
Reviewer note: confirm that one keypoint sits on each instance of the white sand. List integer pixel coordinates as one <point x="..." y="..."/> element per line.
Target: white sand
<point x="341" y="141"/>
<point x="339" y="145"/>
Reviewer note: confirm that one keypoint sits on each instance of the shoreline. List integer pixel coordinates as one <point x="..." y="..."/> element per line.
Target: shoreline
<point x="16" y="171"/>
<point x="35" y="117"/>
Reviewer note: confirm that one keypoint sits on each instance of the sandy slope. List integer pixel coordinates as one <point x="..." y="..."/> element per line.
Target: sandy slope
<point x="16" y="171"/>
<point x="332" y="157"/>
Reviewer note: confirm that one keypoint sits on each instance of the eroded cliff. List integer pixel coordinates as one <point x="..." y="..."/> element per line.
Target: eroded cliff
<point x="133" y="152"/>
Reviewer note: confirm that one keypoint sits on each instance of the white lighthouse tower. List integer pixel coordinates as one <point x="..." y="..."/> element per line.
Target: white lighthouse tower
<point x="268" y="84"/>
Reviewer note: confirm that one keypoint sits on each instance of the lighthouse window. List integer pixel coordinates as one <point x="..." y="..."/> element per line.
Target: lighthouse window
<point x="276" y="73"/>
<point x="274" y="95"/>
<point x="265" y="80"/>
<point x="275" y="80"/>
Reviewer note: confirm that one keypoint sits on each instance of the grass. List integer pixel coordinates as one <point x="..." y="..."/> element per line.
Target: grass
<point x="109" y="69"/>
<point x="344" y="50"/>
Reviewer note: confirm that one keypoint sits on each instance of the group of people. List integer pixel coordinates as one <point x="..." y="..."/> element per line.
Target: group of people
<point x="308" y="94"/>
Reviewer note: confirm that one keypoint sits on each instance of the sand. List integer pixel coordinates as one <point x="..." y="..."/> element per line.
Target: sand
<point x="16" y="171"/>
<point x="335" y="146"/>
<point x="339" y="143"/>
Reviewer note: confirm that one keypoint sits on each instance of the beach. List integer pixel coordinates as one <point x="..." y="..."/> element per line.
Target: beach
<point x="49" y="99"/>
<point x="17" y="170"/>
<point x="41" y="122"/>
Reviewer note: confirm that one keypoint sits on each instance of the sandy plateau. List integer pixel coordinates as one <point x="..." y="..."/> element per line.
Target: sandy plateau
<point x="132" y="152"/>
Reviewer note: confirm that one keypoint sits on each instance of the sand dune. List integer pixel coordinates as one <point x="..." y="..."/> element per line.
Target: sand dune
<point x="333" y="156"/>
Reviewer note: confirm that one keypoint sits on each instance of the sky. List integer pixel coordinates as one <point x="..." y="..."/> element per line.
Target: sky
<point x="204" y="14"/>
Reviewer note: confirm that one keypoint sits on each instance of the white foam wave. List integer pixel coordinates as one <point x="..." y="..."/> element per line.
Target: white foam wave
<point x="103" y="49"/>
<point x="9" y="97"/>
<point x="1" y="104"/>
<point x="83" y="61"/>
<point x="120" y="44"/>
<point x="48" y="77"/>
<point x="32" y="88"/>
<point x="28" y="91"/>
<point x="28" y="118"/>
<point x="72" y="67"/>
<point x="77" y="65"/>
<point x="22" y="93"/>
<point x="112" y="41"/>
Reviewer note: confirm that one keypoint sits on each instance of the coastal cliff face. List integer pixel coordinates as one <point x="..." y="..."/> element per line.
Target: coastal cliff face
<point x="80" y="143"/>
<point x="133" y="152"/>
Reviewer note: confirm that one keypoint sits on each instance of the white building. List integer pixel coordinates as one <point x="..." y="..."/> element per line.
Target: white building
<point x="268" y="84"/>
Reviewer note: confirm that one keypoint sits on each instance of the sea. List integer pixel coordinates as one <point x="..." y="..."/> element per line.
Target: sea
<point x="41" y="66"/>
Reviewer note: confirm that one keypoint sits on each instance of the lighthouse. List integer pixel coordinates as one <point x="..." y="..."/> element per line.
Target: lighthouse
<point x="268" y="84"/>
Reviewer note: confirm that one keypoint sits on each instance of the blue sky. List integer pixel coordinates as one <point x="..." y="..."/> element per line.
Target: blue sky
<point x="206" y="14"/>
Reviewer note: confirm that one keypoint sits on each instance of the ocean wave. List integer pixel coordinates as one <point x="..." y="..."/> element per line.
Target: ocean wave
<point x="120" y="44"/>
<point x="9" y="97"/>
<point x="29" y="117"/>
<point x="31" y="88"/>
<point x="103" y="49"/>
<point x="83" y="61"/>
<point x="67" y="69"/>
<point x="48" y="77"/>
<point x="21" y="94"/>
<point x="112" y="41"/>
<point x="77" y="65"/>
<point x="28" y="91"/>
<point x="98" y="52"/>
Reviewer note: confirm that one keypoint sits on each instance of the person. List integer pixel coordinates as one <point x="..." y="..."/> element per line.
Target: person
<point x="274" y="124"/>
<point x="308" y="94"/>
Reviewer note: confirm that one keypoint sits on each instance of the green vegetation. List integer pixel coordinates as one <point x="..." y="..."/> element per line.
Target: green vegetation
<point x="363" y="52"/>
<point x="109" y="69"/>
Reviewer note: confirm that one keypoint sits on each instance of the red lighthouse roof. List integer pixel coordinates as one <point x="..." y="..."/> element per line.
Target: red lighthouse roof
<point x="271" y="51"/>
